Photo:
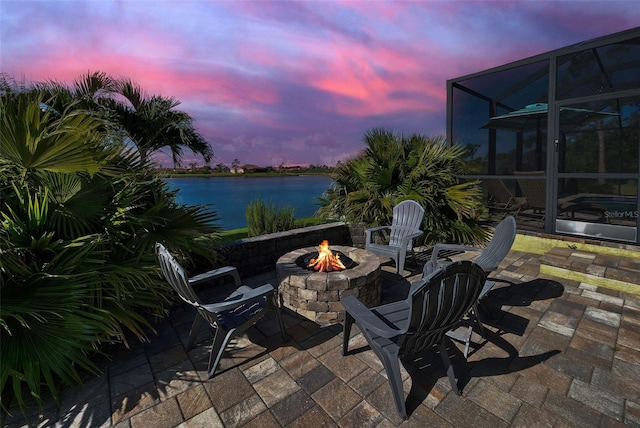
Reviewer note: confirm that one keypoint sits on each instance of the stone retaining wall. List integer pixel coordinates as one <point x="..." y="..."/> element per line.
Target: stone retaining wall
<point x="260" y="254"/>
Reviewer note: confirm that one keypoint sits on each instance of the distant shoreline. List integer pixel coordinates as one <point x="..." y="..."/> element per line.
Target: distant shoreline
<point x="247" y="175"/>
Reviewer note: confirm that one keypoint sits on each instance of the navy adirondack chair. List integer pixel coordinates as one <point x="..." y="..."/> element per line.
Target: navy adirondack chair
<point x="229" y="317"/>
<point x="435" y="305"/>
<point x="489" y="260"/>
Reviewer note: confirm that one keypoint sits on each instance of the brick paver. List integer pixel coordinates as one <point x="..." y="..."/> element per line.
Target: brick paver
<point x="555" y="353"/>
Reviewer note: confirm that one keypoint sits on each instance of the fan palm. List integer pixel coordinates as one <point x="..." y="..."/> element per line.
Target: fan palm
<point x="393" y="168"/>
<point x="80" y="214"/>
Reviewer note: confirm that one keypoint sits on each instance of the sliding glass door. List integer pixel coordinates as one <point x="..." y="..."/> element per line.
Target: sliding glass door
<point x="597" y="163"/>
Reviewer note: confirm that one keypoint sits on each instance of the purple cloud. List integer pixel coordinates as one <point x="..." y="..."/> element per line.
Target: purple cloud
<point x="293" y="81"/>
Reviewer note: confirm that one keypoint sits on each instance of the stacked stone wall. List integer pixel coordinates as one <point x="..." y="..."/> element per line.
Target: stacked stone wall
<point x="260" y="254"/>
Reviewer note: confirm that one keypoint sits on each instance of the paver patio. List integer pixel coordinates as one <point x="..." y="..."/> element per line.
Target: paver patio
<point x="557" y="353"/>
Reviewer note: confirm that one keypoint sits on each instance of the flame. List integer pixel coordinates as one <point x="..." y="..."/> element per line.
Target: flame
<point x="326" y="261"/>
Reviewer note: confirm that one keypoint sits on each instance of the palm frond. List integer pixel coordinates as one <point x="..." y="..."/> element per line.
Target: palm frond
<point x="394" y="168"/>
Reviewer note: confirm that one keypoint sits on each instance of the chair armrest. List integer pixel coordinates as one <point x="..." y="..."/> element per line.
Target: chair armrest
<point x="377" y="228"/>
<point x="369" y="232"/>
<point x="216" y="273"/>
<point x="409" y="237"/>
<point x="366" y="319"/>
<point x="488" y="285"/>
<point x="432" y="264"/>
<point x="240" y="299"/>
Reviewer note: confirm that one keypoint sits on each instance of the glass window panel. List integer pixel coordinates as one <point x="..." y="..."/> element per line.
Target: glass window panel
<point x="469" y="115"/>
<point x="497" y="151"/>
<point x="610" y="68"/>
<point x="606" y="140"/>
<point x="514" y="87"/>
<point x="606" y="201"/>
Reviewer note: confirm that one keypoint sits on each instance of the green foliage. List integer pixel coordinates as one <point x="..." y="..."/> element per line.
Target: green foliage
<point x="235" y="234"/>
<point x="80" y="214"/>
<point x="264" y="218"/>
<point x="394" y="168"/>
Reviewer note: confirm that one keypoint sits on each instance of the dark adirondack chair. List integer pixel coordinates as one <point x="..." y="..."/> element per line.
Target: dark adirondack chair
<point x="229" y="317"/>
<point x="435" y="305"/>
<point x="490" y="257"/>
<point x="405" y="227"/>
<point x="489" y="260"/>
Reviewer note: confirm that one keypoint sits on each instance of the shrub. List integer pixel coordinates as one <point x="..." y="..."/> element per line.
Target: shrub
<point x="79" y="216"/>
<point x="394" y="168"/>
<point x="263" y="218"/>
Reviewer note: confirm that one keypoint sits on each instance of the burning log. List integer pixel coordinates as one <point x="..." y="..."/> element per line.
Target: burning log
<point x="326" y="261"/>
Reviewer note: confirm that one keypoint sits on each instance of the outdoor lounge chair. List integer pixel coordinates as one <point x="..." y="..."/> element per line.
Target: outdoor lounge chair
<point x="400" y="330"/>
<point x="405" y="227"/>
<point x="229" y="317"/>
<point x="489" y="260"/>
<point x="500" y="197"/>
<point x="533" y="190"/>
<point x="535" y="193"/>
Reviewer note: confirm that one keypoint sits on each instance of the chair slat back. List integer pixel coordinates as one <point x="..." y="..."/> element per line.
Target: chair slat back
<point x="438" y="302"/>
<point x="176" y="275"/>
<point x="498" y="191"/>
<point x="500" y="244"/>
<point x="407" y="218"/>
<point x="535" y="190"/>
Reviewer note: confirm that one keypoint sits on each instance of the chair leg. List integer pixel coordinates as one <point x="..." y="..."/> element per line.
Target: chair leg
<point x="348" y="322"/>
<point x="276" y="307"/>
<point x="415" y="258"/>
<point x="391" y="364"/>
<point x="220" y="341"/>
<point x="449" y="367"/>
<point x="400" y="263"/>
<point x="476" y="319"/>
<point x="468" y="341"/>
<point x="195" y="329"/>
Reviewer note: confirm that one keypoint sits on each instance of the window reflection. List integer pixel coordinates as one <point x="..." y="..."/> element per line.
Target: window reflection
<point x="606" y="69"/>
<point x="599" y="201"/>
<point x="608" y="142"/>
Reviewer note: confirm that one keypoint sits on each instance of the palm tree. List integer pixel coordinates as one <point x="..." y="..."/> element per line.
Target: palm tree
<point x="150" y="123"/>
<point x="153" y="123"/>
<point x="79" y="214"/>
<point x="394" y="168"/>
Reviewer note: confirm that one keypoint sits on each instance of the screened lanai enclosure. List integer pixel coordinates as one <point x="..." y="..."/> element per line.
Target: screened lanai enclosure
<point x="555" y="138"/>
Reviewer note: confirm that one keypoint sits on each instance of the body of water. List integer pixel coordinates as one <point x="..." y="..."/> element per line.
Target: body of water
<point x="229" y="196"/>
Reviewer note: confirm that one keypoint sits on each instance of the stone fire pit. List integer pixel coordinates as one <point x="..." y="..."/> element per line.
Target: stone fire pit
<point x="316" y="295"/>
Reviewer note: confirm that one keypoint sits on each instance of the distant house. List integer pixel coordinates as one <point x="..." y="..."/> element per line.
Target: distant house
<point x="247" y="169"/>
<point x="290" y="167"/>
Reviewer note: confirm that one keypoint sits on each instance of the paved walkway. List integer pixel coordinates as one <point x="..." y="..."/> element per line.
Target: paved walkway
<point x="558" y="354"/>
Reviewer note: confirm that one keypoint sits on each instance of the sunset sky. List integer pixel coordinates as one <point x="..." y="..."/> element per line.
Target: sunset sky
<point x="289" y="82"/>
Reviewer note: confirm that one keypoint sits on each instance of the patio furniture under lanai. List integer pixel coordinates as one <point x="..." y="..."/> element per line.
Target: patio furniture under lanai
<point x="534" y="190"/>
<point x="500" y="197"/>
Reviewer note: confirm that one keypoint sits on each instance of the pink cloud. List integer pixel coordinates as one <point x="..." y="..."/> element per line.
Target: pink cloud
<point x="269" y="82"/>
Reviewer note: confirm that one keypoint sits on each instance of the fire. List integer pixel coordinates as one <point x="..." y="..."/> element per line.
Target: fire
<point x="326" y="261"/>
